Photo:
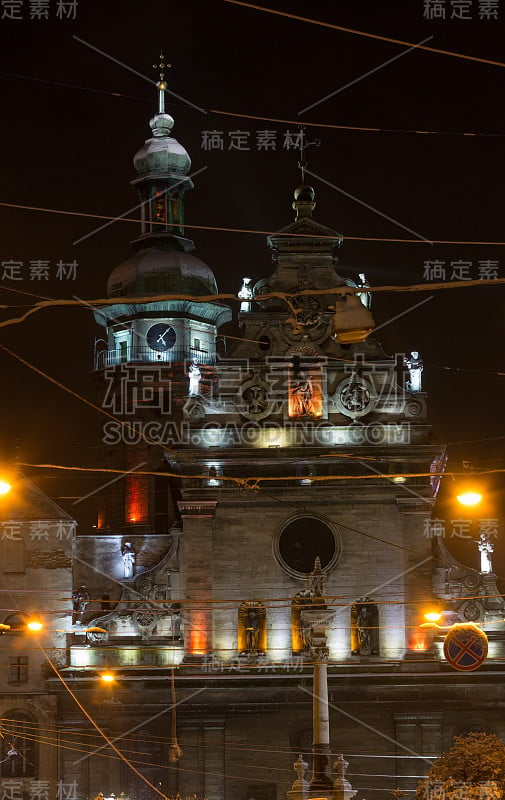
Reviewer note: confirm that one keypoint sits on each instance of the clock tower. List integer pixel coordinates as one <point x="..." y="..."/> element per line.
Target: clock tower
<point x="155" y="353"/>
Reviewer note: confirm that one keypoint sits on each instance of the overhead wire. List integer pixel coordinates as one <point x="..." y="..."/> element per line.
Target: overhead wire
<point x="223" y="229"/>
<point x="354" y="128"/>
<point x="367" y="35"/>
<point x="98" y="728"/>
<point x="357" y="128"/>
<point x="434" y="50"/>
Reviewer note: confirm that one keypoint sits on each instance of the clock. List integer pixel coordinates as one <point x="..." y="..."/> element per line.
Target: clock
<point x="161" y="337"/>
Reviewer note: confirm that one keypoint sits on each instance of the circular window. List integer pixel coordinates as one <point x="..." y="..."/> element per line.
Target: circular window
<point x="301" y="541"/>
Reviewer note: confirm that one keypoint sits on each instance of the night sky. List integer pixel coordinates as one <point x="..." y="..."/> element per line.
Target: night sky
<point x="73" y="119"/>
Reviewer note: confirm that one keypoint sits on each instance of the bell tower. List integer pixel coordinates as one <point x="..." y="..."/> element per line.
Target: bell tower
<point x="155" y="352"/>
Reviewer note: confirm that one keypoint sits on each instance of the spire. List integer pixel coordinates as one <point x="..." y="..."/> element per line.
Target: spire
<point x="162" y="166"/>
<point x="162" y="123"/>
<point x="302" y="164"/>
<point x="162" y="85"/>
<point x="304" y="201"/>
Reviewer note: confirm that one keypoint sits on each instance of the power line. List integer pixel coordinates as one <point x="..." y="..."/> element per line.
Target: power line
<point x="377" y="36"/>
<point x="223" y="229"/>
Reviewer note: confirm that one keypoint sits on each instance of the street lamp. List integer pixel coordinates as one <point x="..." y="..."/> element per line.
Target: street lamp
<point x="469" y="497"/>
<point x="433" y="616"/>
<point x="5" y="487"/>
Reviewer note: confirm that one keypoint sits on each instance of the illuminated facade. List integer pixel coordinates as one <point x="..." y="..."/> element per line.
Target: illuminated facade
<point x="36" y="546"/>
<point x="204" y="569"/>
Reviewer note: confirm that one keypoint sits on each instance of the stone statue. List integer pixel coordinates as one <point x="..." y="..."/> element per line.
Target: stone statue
<point x="303" y="394"/>
<point x="128" y="560"/>
<point x="245" y="294"/>
<point x="194" y="378"/>
<point x="486" y="547"/>
<point x="317" y="580"/>
<point x="365" y="297"/>
<point x="363" y="625"/>
<point x="414" y="365"/>
<point x="252" y="629"/>
<point x="80" y="599"/>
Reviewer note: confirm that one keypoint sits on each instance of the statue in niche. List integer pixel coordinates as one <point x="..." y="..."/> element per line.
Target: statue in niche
<point x="364" y="628"/>
<point x="486" y="548"/>
<point x="252" y="629"/>
<point x="245" y="294"/>
<point x="80" y="599"/>
<point x="302" y="393"/>
<point x="195" y="375"/>
<point x="363" y="622"/>
<point x="414" y="365"/>
<point x="128" y="560"/>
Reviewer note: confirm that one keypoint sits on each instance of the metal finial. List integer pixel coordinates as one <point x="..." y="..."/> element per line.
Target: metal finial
<point x="162" y="85"/>
<point x="162" y="66"/>
<point x="302" y="164"/>
<point x="303" y="145"/>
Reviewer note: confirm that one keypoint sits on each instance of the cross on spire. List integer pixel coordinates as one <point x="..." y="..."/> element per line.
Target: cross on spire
<point x="162" y="85"/>
<point x="302" y="145"/>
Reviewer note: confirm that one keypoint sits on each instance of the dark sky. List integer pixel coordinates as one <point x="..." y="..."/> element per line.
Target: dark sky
<point x="73" y="119"/>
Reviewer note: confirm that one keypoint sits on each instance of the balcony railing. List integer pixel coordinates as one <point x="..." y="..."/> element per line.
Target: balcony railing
<point x="127" y="355"/>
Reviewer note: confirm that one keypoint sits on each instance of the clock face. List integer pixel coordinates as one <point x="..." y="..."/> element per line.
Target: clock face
<point x="161" y="337"/>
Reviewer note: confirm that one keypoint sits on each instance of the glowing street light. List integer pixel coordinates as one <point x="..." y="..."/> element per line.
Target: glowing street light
<point x="34" y="625"/>
<point x="107" y="677"/>
<point x="4" y="487"/>
<point x="433" y="616"/>
<point x="469" y="498"/>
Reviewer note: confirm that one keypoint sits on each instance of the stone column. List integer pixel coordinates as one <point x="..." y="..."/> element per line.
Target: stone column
<point x="317" y="617"/>
<point x="320" y="721"/>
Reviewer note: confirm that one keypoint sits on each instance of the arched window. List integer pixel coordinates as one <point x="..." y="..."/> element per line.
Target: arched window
<point x="19" y="751"/>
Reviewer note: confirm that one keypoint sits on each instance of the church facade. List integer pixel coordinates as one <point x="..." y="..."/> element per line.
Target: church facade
<point x="305" y="441"/>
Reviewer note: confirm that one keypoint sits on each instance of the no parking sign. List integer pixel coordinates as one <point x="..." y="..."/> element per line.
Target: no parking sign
<point x="465" y="646"/>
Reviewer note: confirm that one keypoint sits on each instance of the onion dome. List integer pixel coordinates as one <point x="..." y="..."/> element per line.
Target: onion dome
<point x="153" y="271"/>
<point x="162" y="154"/>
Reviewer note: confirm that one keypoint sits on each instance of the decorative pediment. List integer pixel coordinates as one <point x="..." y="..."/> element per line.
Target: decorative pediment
<point x="306" y="227"/>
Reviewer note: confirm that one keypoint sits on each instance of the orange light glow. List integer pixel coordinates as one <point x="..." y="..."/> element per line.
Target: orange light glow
<point x="418" y="643"/>
<point x="107" y="677"/>
<point x="5" y="487"/>
<point x="305" y="398"/>
<point x="433" y="616"/>
<point x="34" y="625"/>
<point x="198" y="636"/>
<point x="469" y="498"/>
<point x="136" y="489"/>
